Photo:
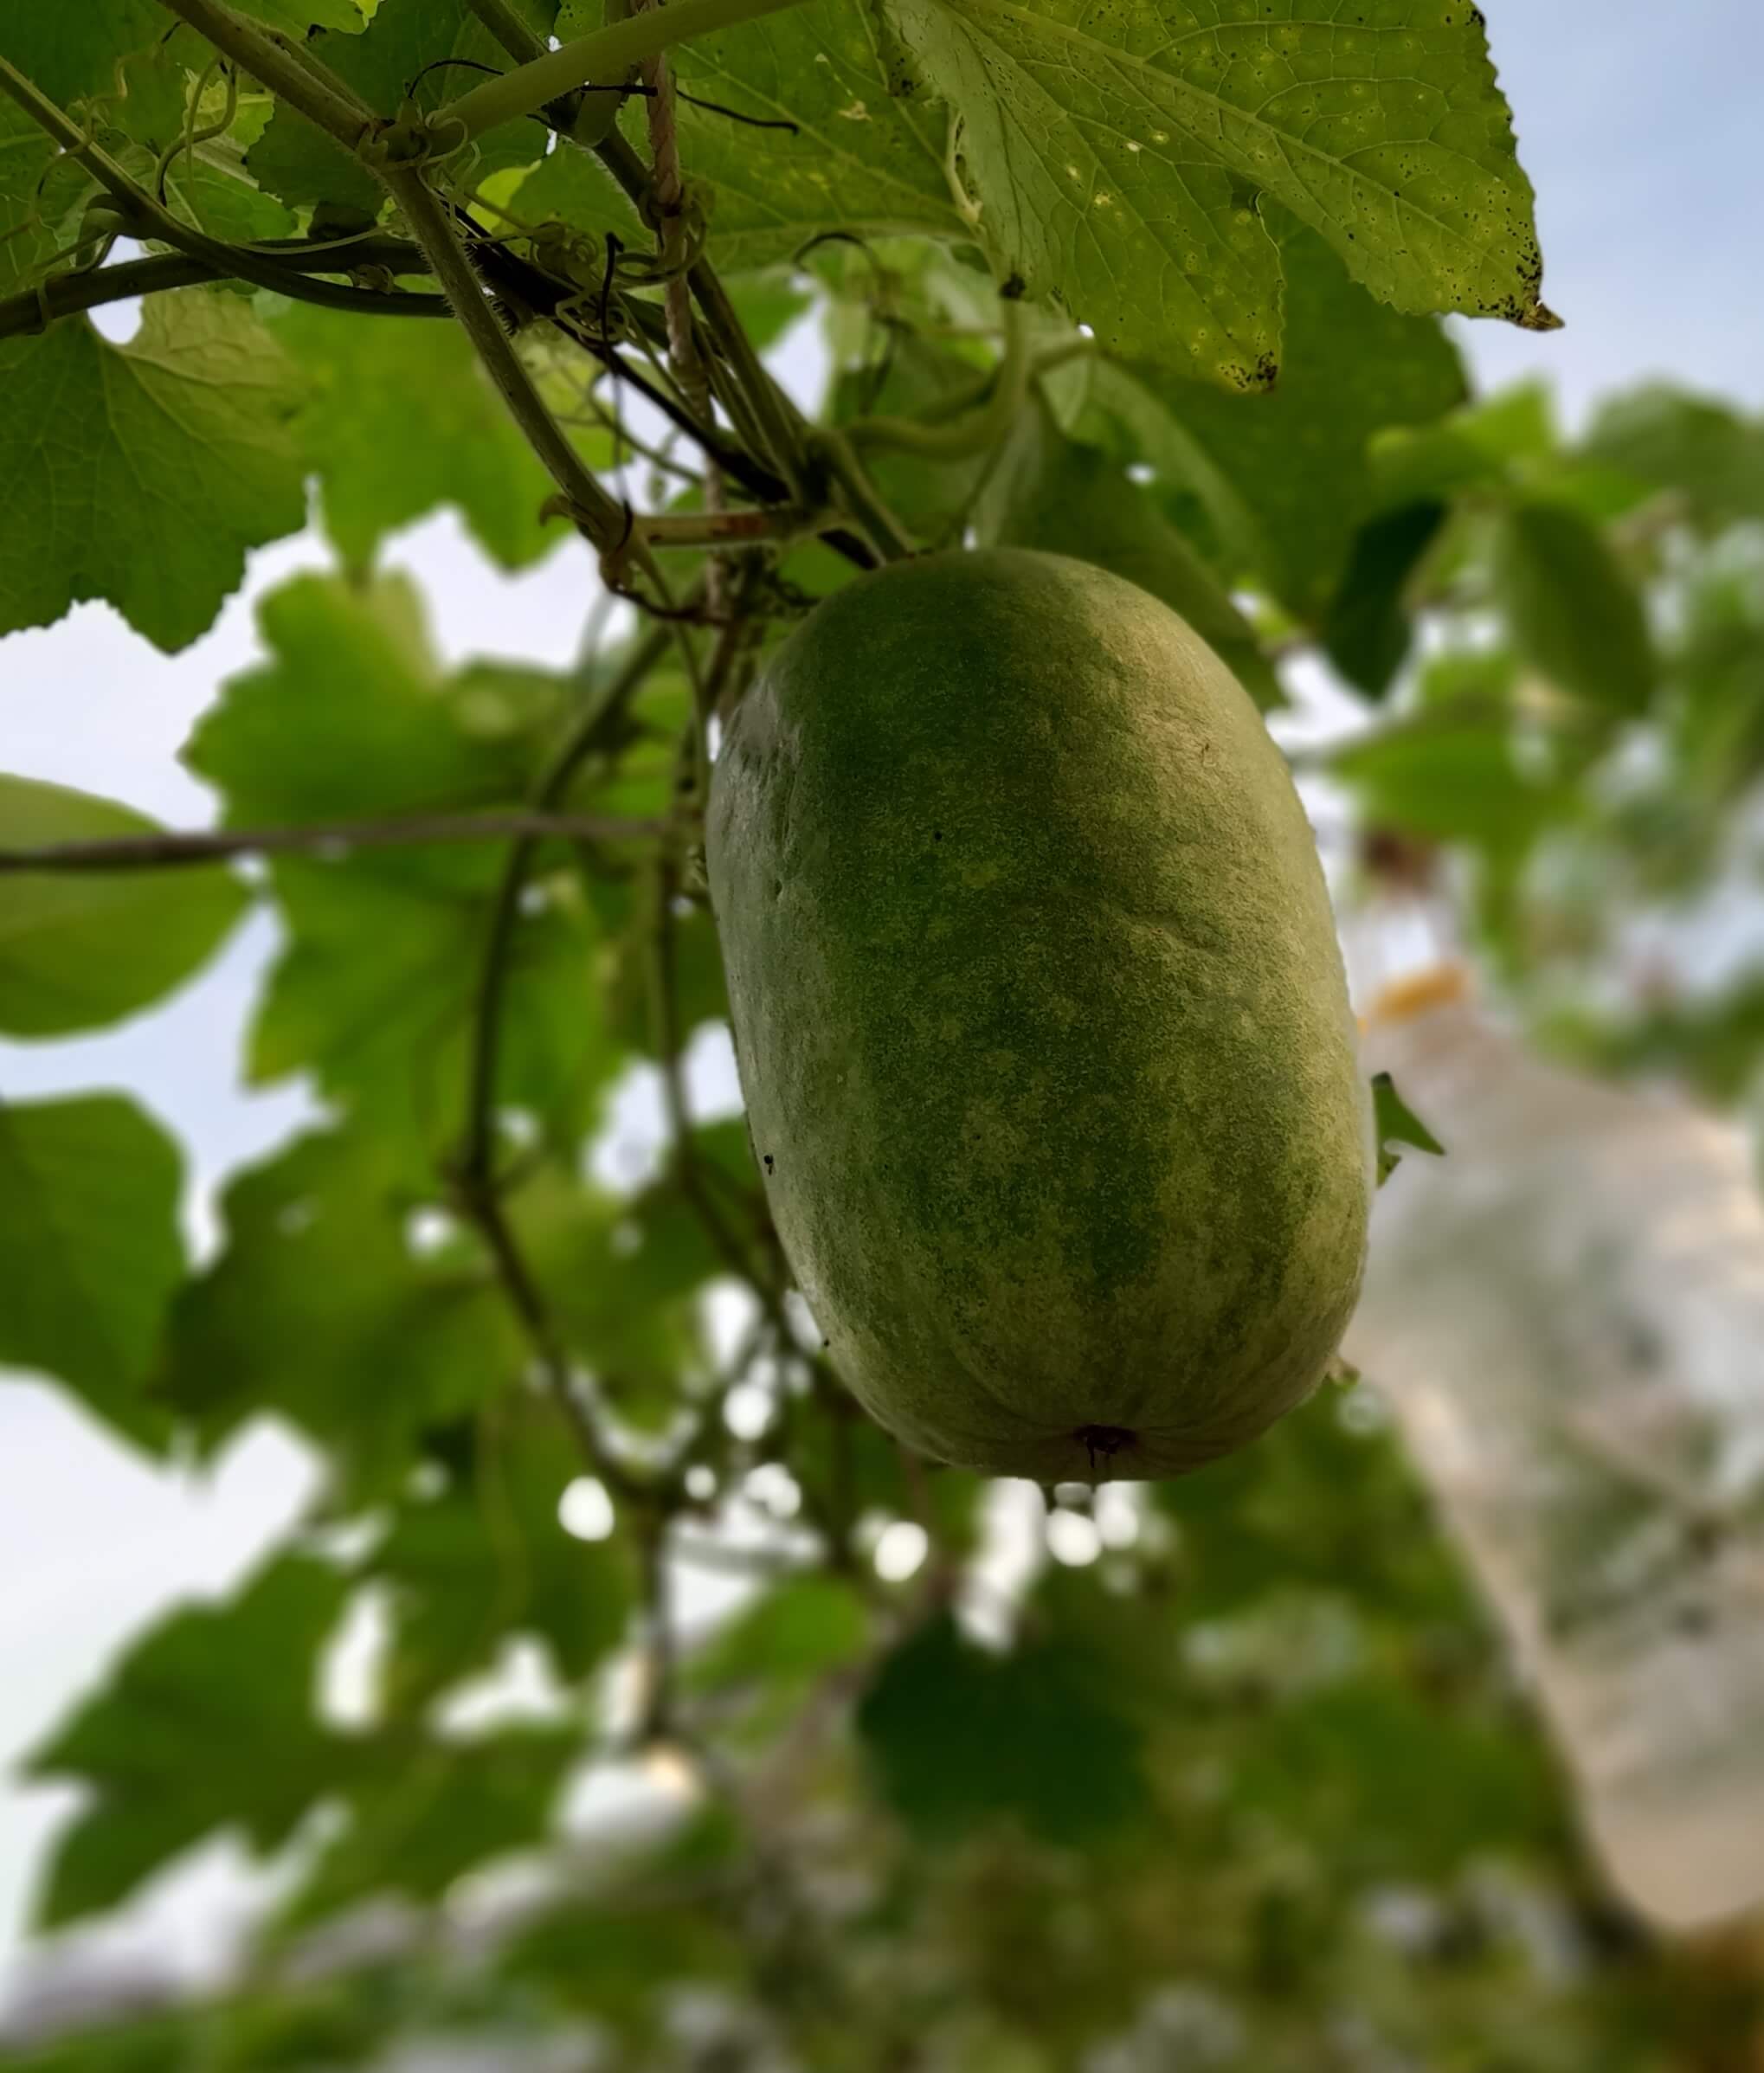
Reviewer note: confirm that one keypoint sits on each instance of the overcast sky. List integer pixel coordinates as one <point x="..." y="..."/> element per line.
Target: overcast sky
<point x="1637" y="124"/>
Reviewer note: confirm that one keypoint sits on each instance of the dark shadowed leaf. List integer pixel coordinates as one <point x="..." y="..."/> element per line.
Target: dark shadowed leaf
<point x="425" y="1813"/>
<point x="297" y="162"/>
<point x="1368" y="630"/>
<point x="1673" y="440"/>
<point x="960" y="1737"/>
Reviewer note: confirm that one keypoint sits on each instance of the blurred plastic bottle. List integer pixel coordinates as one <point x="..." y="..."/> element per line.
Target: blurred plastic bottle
<point x="1567" y="1315"/>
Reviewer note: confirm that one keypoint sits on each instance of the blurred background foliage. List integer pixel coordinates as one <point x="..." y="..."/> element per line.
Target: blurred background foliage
<point x="829" y="1758"/>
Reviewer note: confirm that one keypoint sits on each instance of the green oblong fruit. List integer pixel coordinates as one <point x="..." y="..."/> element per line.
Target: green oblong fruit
<point x="1040" y="1020"/>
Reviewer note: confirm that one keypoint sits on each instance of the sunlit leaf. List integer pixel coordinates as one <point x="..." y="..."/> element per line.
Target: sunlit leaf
<point x="141" y="473"/>
<point x="1118" y="158"/>
<point x="352" y="716"/>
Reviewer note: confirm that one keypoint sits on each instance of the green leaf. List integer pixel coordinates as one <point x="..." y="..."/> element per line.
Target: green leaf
<point x="1317" y="1502"/>
<point x="1572" y="609"/>
<point x="1670" y="439"/>
<point x="298" y="18"/>
<point x="624" y="1964"/>
<point x="571" y="186"/>
<point x="376" y="988"/>
<point x="72" y="51"/>
<point x="1366" y="631"/>
<point x="1396" y="1122"/>
<point x="1491" y="441"/>
<point x="623" y="1280"/>
<point x="1450" y="775"/>
<point x="39" y="195"/>
<point x="1714" y="1043"/>
<point x="1717" y="671"/>
<point x="353" y="716"/>
<point x="79" y="949"/>
<point x="222" y="202"/>
<point x="763" y="1664"/>
<point x="322" y="1308"/>
<point x="89" y="1249"/>
<point x="141" y="473"/>
<point x="299" y="164"/>
<point x="376" y="993"/>
<point x="427" y="1814"/>
<point x="401" y="420"/>
<point x="487" y="1558"/>
<point x="1295" y="461"/>
<point x="1120" y="160"/>
<point x="865" y="158"/>
<point x="206" y="1723"/>
<point x="930" y="497"/>
<point x="959" y="1738"/>
<point x="1047" y="492"/>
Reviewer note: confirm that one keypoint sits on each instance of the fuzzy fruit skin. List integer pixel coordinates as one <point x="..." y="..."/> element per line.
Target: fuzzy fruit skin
<point x="1040" y="1020"/>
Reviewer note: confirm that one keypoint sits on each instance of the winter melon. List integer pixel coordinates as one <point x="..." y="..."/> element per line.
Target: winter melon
<point x="1040" y="1020"/>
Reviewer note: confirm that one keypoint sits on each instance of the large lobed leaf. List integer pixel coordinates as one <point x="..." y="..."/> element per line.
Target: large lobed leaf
<point x="376" y="990"/>
<point x="142" y="473"/>
<point x="399" y="419"/>
<point x="1119" y="156"/>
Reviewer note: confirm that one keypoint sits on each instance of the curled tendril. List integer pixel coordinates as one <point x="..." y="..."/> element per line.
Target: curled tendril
<point x="568" y="256"/>
<point x="193" y="135"/>
<point x="437" y="153"/>
<point x="684" y="231"/>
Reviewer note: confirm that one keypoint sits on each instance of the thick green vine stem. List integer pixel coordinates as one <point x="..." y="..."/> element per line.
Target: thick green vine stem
<point x="66" y="294"/>
<point x="606" y="56"/>
<point x="605" y="522"/>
